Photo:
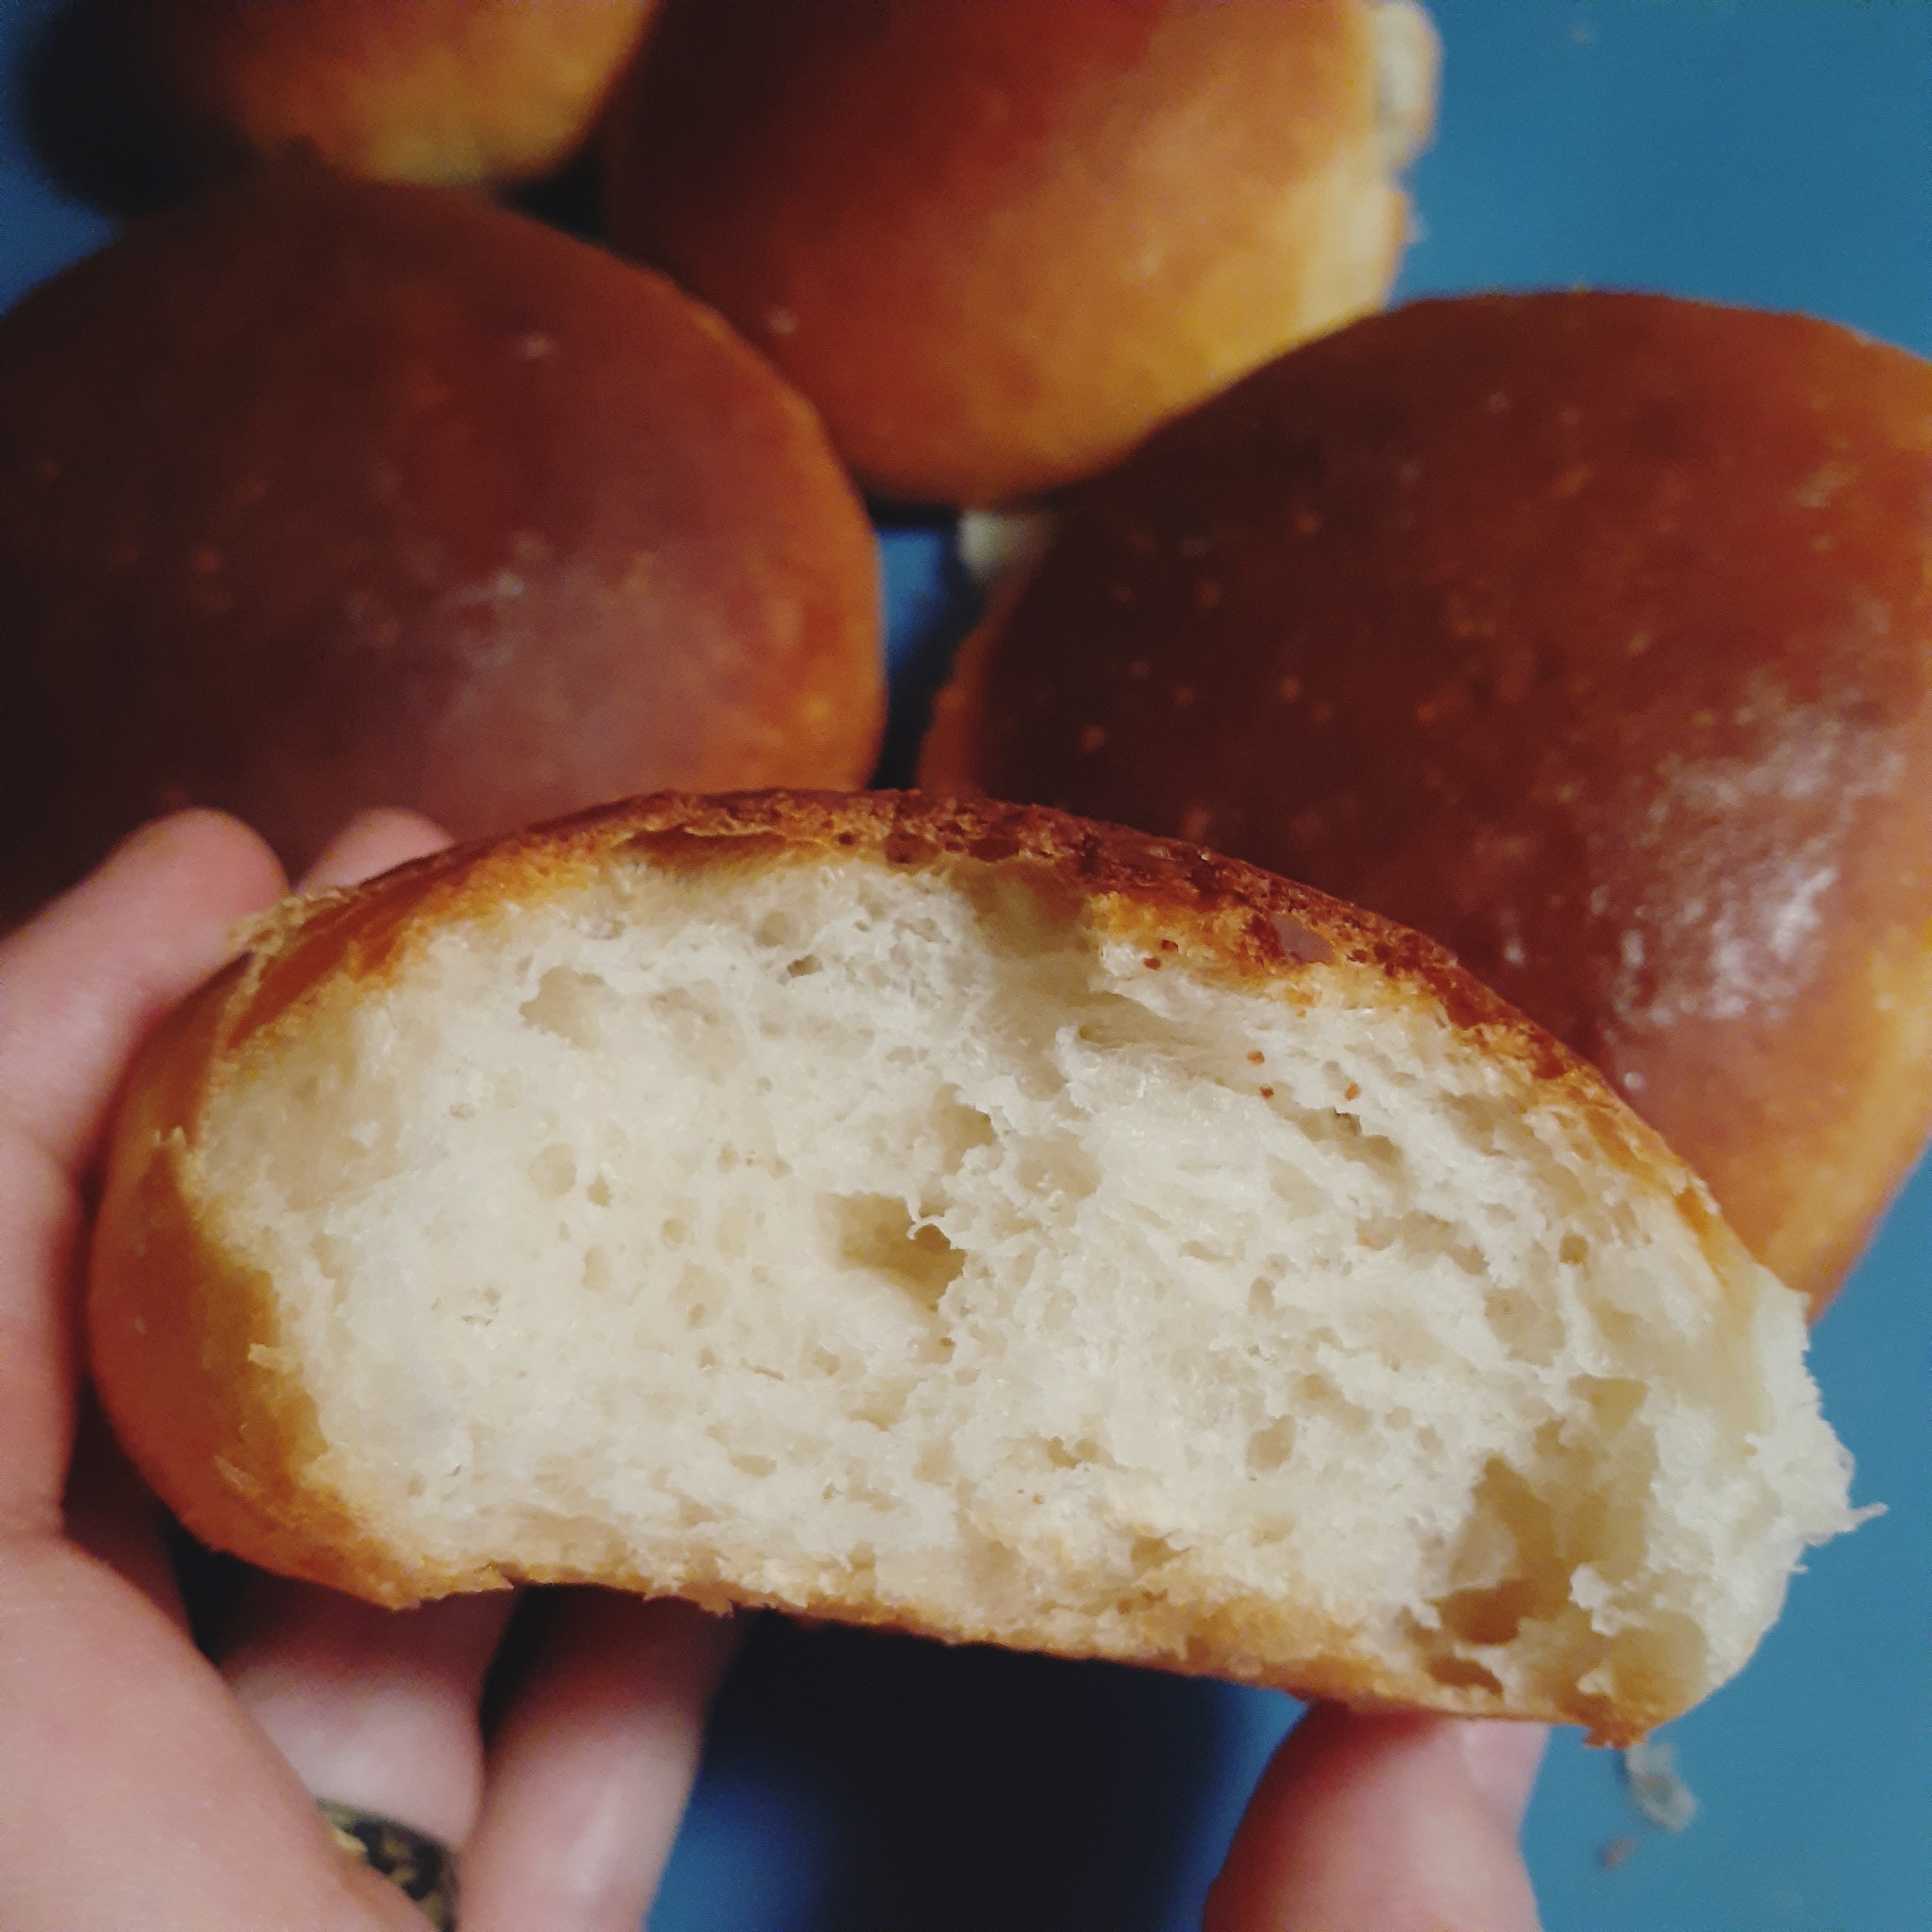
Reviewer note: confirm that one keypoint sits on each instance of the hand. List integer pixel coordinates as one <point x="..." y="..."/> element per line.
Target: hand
<point x="1385" y="1824"/>
<point x="139" y="1785"/>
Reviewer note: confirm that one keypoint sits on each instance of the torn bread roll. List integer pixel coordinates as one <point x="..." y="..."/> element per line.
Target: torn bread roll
<point x="996" y="245"/>
<point x="964" y="1219"/>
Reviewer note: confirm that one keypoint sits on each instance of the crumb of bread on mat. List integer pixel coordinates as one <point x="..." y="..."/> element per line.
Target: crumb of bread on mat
<point x="1650" y="1773"/>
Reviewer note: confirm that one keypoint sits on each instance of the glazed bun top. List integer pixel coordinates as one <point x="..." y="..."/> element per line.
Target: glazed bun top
<point x="996" y="244"/>
<point x="1591" y="634"/>
<point x="447" y="92"/>
<point x="316" y="494"/>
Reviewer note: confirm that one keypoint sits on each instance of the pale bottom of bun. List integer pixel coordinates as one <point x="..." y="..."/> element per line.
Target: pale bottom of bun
<point x="883" y="1245"/>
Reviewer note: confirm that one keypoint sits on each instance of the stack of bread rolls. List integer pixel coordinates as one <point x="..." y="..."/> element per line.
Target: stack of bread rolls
<point x="320" y="494"/>
<point x="967" y="1217"/>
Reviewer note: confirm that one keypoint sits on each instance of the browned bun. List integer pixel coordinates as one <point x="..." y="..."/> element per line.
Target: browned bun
<point x="961" y="1218"/>
<point x="997" y="244"/>
<point x="318" y="494"/>
<point x="449" y="91"/>
<point x="1590" y="633"/>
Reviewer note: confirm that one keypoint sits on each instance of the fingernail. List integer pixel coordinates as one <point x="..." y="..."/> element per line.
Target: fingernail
<point x="1503" y="1759"/>
<point x="150" y="833"/>
<point x="155" y="837"/>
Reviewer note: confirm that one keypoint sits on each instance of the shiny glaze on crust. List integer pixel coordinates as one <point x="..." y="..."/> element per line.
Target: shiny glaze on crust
<point x="318" y="494"/>
<point x="997" y="244"/>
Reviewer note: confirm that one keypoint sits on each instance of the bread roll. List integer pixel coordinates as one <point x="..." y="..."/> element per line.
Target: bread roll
<point x="1590" y="635"/>
<point x="318" y="494"/>
<point x="997" y="244"/>
<point x="973" y="1221"/>
<point x="443" y="91"/>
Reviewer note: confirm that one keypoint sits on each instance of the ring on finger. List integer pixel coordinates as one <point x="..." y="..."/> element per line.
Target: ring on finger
<point x="423" y="1868"/>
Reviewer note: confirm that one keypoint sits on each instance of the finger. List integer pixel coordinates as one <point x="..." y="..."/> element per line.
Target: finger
<point x="1385" y="1824"/>
<point x="110" y="1514"/>
<point x="374" y="1708"/>
<point x="133" y="1791"/>
<point x="79" y="986"/>
<point x="83" y="980"/>
<point x="371" y="842"/>
<point x="591" y="1767"/>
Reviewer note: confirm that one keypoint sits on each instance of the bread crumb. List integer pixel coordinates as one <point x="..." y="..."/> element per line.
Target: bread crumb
<point x="1650" y="1770"/>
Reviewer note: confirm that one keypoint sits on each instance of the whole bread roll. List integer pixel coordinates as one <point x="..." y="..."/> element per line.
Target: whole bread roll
<point x="318" y="494"/>
<point x="1590" y="635"/>
<point x="997" y="244"/>
<point x="450" y="92"/>
<point x="967" y="1220"/>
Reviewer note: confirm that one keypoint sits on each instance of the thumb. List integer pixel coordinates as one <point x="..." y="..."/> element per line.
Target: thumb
<point x="1385" y="1824"/>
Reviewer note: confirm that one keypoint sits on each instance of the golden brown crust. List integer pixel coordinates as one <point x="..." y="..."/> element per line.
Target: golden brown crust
<point x="184" y="1347"/>
<point x="449" y="91"/>
<point x="187" y="1341"/>
<point x="317" y="495"/>
<point x="1253" y="925"/>
<point x="997" y="244"/>
<point x="1589" y="633"/>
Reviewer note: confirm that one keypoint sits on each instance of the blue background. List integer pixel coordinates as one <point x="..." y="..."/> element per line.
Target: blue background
<point x="1773" y="152"/>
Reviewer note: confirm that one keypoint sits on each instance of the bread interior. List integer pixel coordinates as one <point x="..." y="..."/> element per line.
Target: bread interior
<point x="898" y="1243"/>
